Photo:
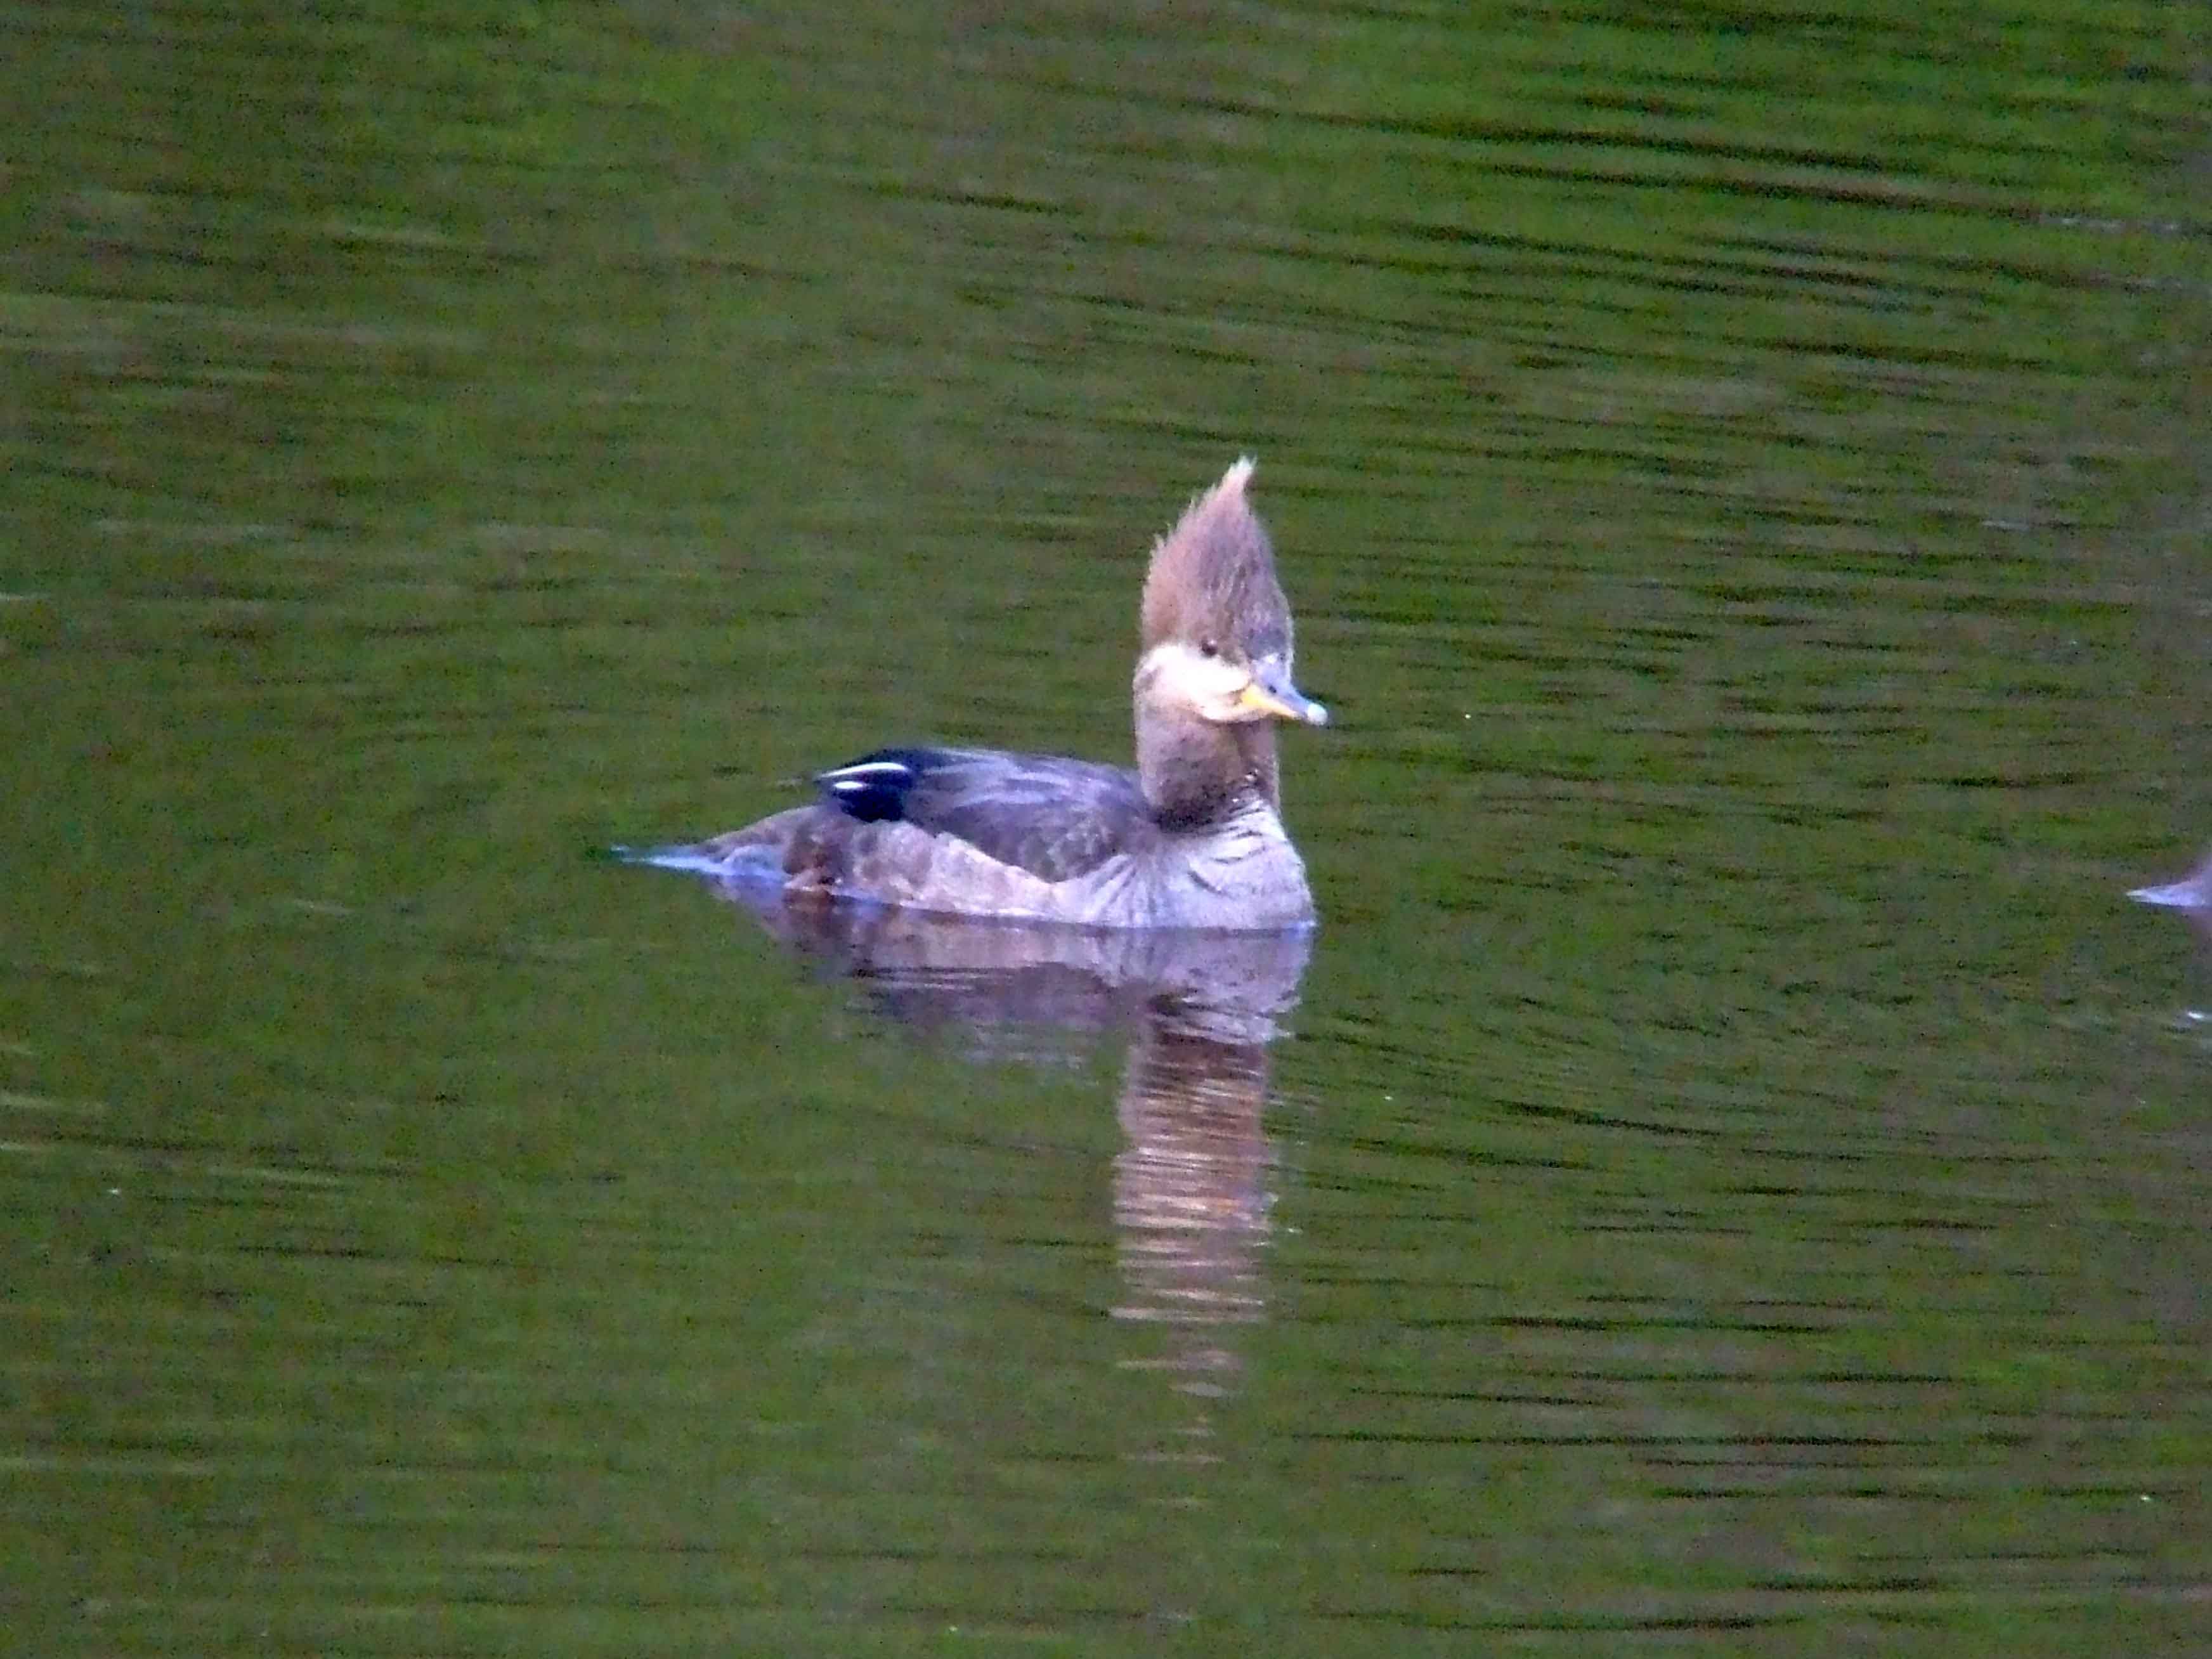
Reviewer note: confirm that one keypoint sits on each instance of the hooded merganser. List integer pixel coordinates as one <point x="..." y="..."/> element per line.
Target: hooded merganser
<point x="1193" y="837"/>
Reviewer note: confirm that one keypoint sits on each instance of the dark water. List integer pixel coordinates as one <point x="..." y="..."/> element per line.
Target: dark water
<point x="1736" y="1177"/>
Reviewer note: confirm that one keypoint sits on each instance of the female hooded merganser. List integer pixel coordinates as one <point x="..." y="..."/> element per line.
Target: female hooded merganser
<point x="1192" y="838"/>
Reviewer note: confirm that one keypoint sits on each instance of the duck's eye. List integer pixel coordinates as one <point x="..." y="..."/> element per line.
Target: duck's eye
<point x="1209" y="648"/>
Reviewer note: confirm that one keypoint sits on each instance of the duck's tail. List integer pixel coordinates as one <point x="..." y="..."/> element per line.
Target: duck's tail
<point x="744" y="865"/>
<point x="2188" y="895"/>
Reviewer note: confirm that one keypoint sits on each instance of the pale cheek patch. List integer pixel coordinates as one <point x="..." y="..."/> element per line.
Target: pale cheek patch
<point x="1178" y="676"/>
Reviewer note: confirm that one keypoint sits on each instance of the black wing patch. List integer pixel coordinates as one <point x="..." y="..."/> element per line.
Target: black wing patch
<point x="874" y="787"/>
<point x="1054" y="818"/>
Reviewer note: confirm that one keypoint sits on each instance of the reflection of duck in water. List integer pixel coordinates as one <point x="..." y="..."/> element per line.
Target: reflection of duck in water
<point x="1192" y="1185"/>
<point x="1046" y="992"/>
<point x="1192" y="838"/>
<point x="1193" y="1190"/>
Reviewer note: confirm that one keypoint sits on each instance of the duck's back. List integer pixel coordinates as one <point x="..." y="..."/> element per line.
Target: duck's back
<point x="1054" y="818"/>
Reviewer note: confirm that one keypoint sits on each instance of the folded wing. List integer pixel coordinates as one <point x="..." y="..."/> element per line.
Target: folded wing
<point x="1054" y="818"/>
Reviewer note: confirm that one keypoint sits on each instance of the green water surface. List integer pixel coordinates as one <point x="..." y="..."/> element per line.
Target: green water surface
<point x="1737" y="1180"/>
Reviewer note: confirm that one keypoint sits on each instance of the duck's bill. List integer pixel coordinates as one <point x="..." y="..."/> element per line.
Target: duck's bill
<point x="1272" y="693"/>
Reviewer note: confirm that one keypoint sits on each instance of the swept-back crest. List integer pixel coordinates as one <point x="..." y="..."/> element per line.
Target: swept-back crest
<point x="1213" y="575"/>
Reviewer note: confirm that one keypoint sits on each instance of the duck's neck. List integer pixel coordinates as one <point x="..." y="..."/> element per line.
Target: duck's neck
<point x="1194" y="772"/>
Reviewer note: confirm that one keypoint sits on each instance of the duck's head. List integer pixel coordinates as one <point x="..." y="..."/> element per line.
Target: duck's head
<point x="1216" y="629"/>
<point x="1214" y="672"/>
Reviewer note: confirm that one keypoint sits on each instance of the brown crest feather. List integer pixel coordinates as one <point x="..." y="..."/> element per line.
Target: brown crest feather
<point x="1213" y="575"/>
